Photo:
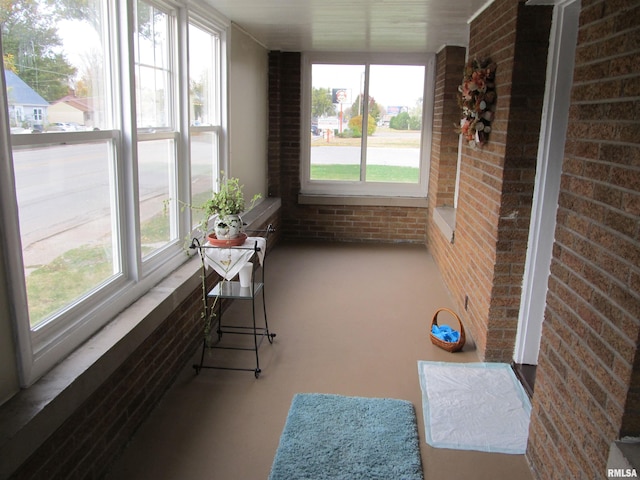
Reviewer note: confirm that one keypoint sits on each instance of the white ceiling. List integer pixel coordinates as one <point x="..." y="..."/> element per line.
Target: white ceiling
<point x="353" y="25"/>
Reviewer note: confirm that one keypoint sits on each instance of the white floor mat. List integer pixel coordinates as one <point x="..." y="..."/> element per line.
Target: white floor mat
<point x="474" y="406"/>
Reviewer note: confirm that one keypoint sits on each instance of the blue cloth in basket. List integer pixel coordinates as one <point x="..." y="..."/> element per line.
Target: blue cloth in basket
<point x="445" y="333"/>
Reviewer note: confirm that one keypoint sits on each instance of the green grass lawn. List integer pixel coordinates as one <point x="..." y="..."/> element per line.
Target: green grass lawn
<point x="375" y="173"/>
<point x="75" y="272"/>
<point x="53" y="286"/>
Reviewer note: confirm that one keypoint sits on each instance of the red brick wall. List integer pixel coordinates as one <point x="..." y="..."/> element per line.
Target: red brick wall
<point x="361" y="223"/>
<point x="486" y="261"/>
<point x="442" y="173"/>
<point x="89" y="441"/>
<point x="446" y="114"/>
<point x="587" y="390"/>
<point x="319" y="222"/>
<point x="284" y="128"/>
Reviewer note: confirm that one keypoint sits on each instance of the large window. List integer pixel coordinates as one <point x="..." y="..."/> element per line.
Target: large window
<point x="156" y="121"/>
<point x="102" y="157"/>
<point x="369" y="123"/>
<point x="204" y="111"/>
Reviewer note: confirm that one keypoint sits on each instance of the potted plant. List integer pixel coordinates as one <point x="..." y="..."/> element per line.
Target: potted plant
<point x="226" y="204"/>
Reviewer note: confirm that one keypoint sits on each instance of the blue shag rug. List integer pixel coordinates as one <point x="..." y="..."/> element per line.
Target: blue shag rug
<point x="351" y="438"/>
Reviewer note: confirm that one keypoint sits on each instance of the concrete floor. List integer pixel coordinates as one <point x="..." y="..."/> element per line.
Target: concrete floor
<point x="350" y="319"/>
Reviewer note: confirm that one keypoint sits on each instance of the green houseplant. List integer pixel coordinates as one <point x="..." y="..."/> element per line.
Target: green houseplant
<point x="226" y="204"/>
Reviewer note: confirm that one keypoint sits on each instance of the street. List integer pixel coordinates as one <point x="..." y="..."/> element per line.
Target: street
<point x="65" y="193"/>
<point x="402" y="157"/>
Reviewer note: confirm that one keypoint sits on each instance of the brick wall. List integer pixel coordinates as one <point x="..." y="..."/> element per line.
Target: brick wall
<point x="361" y="223"/>
<point x="284" y="132"/>
<point x="319" y="222"/>
<point x="526" y="94"/>
<point x="587" y="390"/>
<point x="88" y="442"/>
<point x="442" y="173"/>
<point x="446" y="114"/>
<point x="486" y="261"/>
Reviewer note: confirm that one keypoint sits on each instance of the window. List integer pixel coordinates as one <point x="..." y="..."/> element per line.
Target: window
<point x="204" y="111"/>
<point x="101" y="160"/>
<point x="156" y="110"/>
<point x="369" y="124"/>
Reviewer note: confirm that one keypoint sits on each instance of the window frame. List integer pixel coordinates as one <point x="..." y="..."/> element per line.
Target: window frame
<point x="363" y="188"/>
<point x="210" y="24"/>
<point x="41" y="348"/>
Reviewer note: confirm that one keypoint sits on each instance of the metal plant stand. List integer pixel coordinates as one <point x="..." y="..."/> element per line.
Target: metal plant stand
<point x="252" y="250"/>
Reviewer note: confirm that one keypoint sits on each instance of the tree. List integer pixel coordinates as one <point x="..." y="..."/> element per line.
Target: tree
<point x="9" y="63"/>
<point x="321" y="105"/>
<point x="84" y="10"/>
<point x="29" y="35"/>
<point x="355" y="125"/>
<point x="375" y="109"/>
<point x="404" y="121"/>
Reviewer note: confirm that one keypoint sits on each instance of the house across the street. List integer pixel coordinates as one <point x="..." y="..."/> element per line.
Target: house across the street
<point x="27" y="108"/>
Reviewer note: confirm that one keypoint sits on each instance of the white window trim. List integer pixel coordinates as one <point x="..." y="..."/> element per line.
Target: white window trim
<point x="212" y="21"/>
<point x="419" y="190"/>
<point x="551" y="145"/>
<point x="40" y="349"/>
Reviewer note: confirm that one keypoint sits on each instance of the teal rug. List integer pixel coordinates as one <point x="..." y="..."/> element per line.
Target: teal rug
<point x="350" y="438"/>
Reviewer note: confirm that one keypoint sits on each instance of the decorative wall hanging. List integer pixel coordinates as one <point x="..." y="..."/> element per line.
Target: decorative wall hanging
<point x="477" y="98"/>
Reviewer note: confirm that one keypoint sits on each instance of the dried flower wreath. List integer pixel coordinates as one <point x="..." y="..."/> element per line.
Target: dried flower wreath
<point x="477" y="98"/>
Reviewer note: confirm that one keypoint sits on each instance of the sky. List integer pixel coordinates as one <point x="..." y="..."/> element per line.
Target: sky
<point x="390" y="85"/>
<point x="78" y="38"/>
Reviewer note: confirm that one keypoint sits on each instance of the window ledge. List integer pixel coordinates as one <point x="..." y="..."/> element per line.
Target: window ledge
<point x="307" y="199"/>
<point x="33" y="414"/>
<point x="445" y="219"/>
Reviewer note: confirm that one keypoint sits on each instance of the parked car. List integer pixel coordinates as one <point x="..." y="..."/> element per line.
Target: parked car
<point x="61" y="127"/>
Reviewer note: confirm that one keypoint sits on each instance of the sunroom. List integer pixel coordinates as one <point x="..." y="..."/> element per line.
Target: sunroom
<point x="529" y="230"/>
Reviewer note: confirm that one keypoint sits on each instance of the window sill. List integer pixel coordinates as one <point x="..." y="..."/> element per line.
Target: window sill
<point x="445" y="219"/>
<point x="378" y="201"/>
<point x="33" y="414"/>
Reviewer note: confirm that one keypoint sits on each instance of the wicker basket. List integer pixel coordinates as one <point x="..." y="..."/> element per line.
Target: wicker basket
<point x="448" y="346"/>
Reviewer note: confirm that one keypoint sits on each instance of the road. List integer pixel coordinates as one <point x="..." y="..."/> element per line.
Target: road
<point x="403" y="157"/>
<point x="65" y="194"/>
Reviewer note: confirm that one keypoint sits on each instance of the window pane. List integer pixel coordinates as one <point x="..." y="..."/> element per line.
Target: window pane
<point x="204" y="168"/>
<point x="55" y="61"/>
<point x="335" y="133"/>
<point x="66" y="222"/>
<point x="395" y="107"/>
<point x="204" y="115"/>
<point x="155" y="107"/>
<point x="202" y="77"/>
<point x="155" y="173"/>
<point x="153" y="74"/>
